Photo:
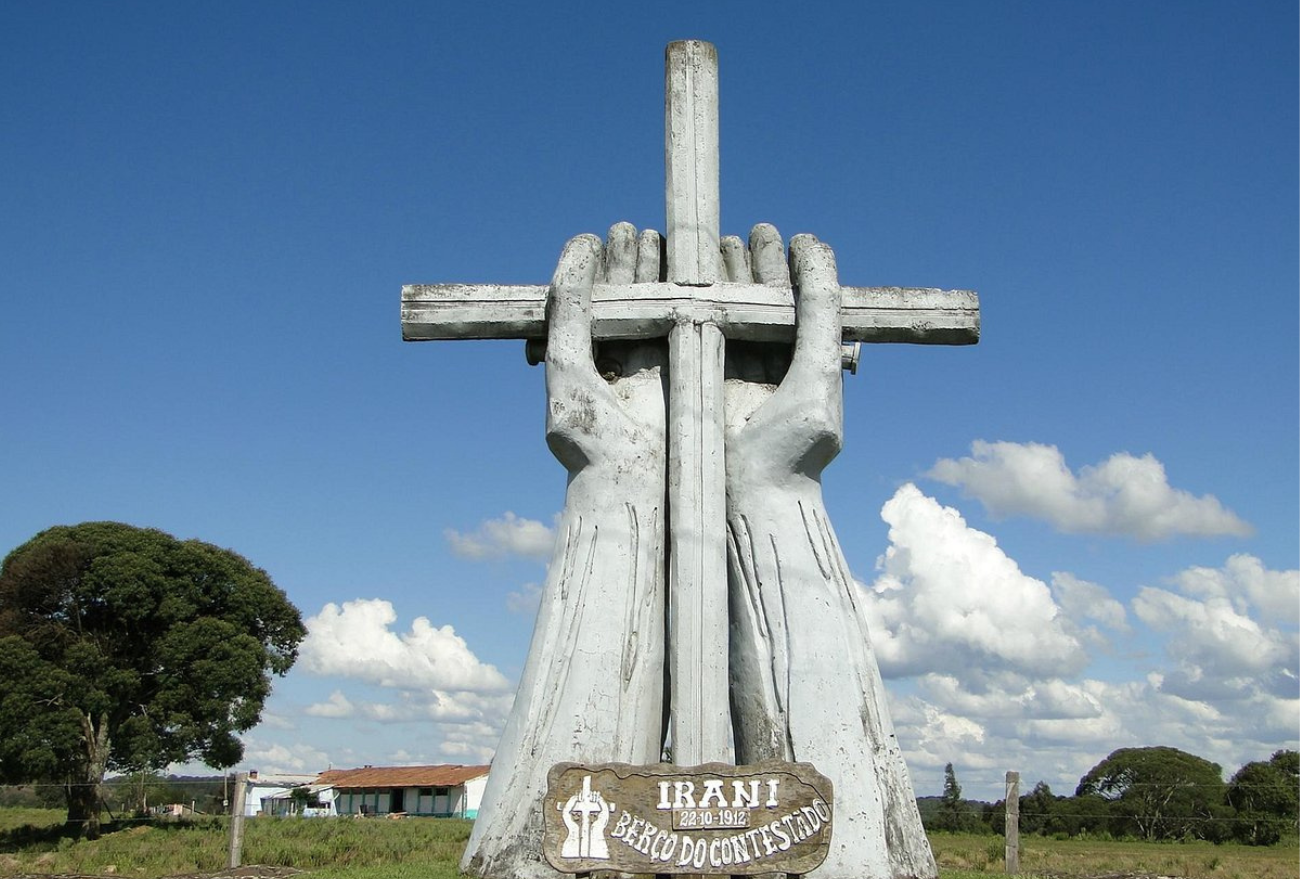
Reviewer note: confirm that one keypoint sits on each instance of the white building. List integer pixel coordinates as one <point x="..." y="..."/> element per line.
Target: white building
<point x="264" y="789"/>
<point x="448" y="791"/>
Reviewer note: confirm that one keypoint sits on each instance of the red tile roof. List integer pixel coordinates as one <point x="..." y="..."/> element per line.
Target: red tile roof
<point x="401" y="776"/>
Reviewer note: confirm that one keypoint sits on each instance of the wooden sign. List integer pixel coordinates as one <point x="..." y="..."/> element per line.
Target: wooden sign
<point x="665" y="819"/>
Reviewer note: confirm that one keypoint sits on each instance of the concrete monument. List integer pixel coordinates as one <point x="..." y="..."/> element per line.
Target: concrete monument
<point x="694" y="394"/>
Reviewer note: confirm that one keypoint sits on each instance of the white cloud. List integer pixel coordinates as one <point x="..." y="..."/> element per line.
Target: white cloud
<point x="278" y="758"/>
<point x="1245" y="582"/>
<point x="1016" y="725"/>
<point x="507" y="536"/>
<point x="526" y="600"/>
<point x="337" y="706"/>
<point x="276" y="720"/>
<point x="1081" y="599"/>
<point x="469" y="753"/>
<point x="1123" y="495"/>
<point x="986" y="662"/>
<point x="460" y="708"/>
<point x="356" y="642"/>
<point x="1210" y="633"/>
<point x="1012" y="696"/>
<point x="468" y="746"/>
<point x="1221" y="651"/>
<point x="949" y="600"/>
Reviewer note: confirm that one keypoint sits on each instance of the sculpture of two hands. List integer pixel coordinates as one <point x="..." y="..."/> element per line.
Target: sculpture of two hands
<point x="804" y="684"/>
<point x="803" y="385"/>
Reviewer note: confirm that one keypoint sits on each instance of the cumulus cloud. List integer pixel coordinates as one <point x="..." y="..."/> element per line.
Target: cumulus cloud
<point x="1246" y="583"/>
<point x="275" y="720"/>
<point x="1210" y="633"/>
<point x="933" y="733"/>
<point x="438" y="706"/>
<point x="468" y="745"/>
<point x="468" y="753"/>
<point x="526" y="600"/>
<point x="990" y="669"/>
<point x="1011" y="696"/>
<point x="336" y="706"/>
<point x="1122" y="496"/>
<point x="1082" y="601"/>
<point x="356" y="642"/>
<point x="508" y="536"/>
<point x="279" y="758"/>
<point x="948" y="599"/>
<point x="1055" y="731"/>
<point x="1220" y="649"/>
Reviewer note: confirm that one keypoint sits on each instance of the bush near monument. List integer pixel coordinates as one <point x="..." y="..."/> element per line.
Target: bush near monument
<point x="123" y="648"/>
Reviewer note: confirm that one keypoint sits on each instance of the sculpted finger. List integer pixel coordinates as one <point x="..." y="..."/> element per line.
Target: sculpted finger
<point x="620" y="254"/>
<point x="735" y="259"/>
<point x="578" y="264"/>
<point x="569" y="307"/>
<point x="812" y="266"/>
<point x="649" y="257"/>
<point x="767" y="256"/>
<point x="817" y="303"/>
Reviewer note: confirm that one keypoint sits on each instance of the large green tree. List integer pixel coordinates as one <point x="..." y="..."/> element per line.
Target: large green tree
<point x="1266" y="798"/>
<point x="124" y="648"/>
<point x="1160" y="793"/>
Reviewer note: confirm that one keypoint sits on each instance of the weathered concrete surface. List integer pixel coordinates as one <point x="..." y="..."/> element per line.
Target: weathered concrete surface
<point x="805" y="685"/>
<point x="744" y="311"/>
<point x="691" y="158"/>
<point x="697" y="558"/>
<point x="697" y="562"/>
<point x="593" y="686"/>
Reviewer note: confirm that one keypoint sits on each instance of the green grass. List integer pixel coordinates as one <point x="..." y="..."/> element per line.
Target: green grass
<point x="964" y="856"/>
<point x="31" y="841"/>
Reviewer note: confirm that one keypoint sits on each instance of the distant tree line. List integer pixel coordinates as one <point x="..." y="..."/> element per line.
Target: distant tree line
<point x="1156" y="793"/>
<point x="132" y="795"/>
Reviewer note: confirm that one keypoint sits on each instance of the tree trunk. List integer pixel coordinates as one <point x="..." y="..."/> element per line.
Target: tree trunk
<point x="85" y="792"/>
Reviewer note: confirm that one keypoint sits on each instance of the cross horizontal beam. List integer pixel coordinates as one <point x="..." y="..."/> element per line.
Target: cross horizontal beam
<point x="752" y="312"/>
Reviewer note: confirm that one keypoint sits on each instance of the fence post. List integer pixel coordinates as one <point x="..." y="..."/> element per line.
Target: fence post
<point x="1013" y="822"/>
<point x="237" y="821"/>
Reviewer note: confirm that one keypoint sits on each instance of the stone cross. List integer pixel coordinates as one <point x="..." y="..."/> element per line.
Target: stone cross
<point x="697" y="312"/>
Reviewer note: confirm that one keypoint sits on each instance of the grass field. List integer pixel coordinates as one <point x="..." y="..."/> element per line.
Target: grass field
<point x="345" y="848"/>
<point x="961" y="856"/>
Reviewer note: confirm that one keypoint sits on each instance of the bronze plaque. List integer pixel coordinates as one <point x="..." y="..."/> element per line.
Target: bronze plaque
<point x="714" y="818"/>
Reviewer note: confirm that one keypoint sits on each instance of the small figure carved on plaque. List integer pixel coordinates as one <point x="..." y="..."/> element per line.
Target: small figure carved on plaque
<point x="586" y="833"/>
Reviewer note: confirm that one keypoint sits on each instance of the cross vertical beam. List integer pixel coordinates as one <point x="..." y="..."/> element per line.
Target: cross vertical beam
<point x="691" y="162"/>
<point x="697" y="549"/>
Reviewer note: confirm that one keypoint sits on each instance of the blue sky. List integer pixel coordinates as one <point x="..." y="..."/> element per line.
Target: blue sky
<point x="209" y="212"/>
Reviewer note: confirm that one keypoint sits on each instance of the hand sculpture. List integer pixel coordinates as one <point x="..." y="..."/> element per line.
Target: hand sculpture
<point x="593" y="687"/>
<point x="805" y="685"/>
